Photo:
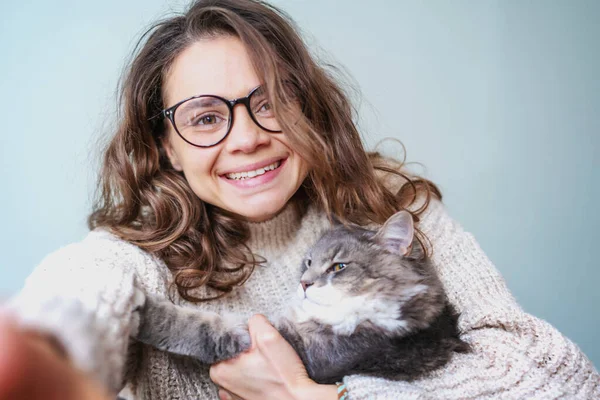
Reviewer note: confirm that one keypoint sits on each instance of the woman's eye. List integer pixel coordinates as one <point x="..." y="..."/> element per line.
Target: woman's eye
<point x="264" y="108"/>
<point x="208" y="120"/>
<point x="337" y="267"/>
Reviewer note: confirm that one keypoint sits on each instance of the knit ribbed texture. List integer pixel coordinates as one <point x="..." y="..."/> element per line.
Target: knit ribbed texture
<point x="86" y="294"/>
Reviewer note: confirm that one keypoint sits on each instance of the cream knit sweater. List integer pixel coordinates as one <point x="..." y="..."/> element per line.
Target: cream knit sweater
<point x="86" y="294"/>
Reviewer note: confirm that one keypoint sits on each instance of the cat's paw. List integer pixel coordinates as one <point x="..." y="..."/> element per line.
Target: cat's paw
<point x="233" y="341"/>
<point x="216" y="337"/>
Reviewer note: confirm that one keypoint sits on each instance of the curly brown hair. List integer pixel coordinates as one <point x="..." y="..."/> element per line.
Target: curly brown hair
<point x="143" y="200"/>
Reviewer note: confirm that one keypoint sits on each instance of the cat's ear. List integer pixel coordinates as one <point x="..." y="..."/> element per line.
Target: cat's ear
<point x="396" y="235"/>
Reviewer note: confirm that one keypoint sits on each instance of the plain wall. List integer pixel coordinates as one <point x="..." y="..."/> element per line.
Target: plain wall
<point x="499" y="100"/>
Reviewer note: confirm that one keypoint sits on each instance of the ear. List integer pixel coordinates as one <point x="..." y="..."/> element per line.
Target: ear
<point x="396" y="235"/>
<point x="166" y="142"/>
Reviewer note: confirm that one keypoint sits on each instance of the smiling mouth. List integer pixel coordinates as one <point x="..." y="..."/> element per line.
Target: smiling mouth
<point x="237" y="176"/>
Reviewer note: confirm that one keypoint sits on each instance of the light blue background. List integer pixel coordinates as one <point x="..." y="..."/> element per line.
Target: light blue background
<point x="498" y="99"/>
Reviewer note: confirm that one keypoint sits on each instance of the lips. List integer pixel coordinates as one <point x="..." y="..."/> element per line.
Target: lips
<point x="253" y="173"/>
<point x="253" y="170"/>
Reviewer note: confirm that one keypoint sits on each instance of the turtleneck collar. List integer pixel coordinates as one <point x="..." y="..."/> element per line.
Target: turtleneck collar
<point x="275" y="233"/>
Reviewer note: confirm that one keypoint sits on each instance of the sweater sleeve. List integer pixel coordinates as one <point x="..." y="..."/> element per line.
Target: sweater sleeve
<point x="86" y="295"/>
<point x="515" y="355"/>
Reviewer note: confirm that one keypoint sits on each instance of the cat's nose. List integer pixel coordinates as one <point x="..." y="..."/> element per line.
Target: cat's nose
<point x="305" y="285"/>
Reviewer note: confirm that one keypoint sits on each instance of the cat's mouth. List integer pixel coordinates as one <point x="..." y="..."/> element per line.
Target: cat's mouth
<point x="308" y="300"/>
<point x="319" y="301"/>
<point x="313" y="308"/>
<point x="323" y="296"/>
<point x="323" y="299"/>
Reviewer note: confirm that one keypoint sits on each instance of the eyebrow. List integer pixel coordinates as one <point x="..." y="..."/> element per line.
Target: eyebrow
<point x="205" y="101"/>
<point x="260" y="88"/>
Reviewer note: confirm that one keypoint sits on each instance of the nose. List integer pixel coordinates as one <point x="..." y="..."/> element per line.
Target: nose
<point x="245" y="136"/>
<point x="306" y="285"/>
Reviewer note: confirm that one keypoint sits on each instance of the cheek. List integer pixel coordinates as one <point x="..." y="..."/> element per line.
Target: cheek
<point x="197" y="165"/>
<point x="302" y="169"/>
<point x="300" y="164"/>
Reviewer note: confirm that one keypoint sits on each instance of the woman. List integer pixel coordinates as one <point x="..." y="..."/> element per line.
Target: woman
<point x="233" y="152"/>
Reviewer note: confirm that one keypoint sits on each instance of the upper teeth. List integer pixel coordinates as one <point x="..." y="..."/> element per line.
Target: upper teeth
<point x="252" y="174"/>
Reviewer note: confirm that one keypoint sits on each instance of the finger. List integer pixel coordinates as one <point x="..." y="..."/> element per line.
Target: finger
<point x="225" y="395"/>
<point x="217" y="374"/>
<point x="275" y="348"/>
<point x="266" y="337"/>
<point x="223" y="374"/>
<point x="261" y="330"/>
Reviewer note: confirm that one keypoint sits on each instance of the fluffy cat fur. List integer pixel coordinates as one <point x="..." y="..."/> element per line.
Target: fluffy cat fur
<point x="368" y="303"/>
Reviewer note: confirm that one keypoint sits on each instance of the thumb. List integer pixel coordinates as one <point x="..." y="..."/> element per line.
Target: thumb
<point x="275" y="348"/>
<point x="263" y="334"/>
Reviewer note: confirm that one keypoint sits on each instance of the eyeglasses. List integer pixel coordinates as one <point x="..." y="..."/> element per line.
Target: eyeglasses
<point x="206" y="120"/>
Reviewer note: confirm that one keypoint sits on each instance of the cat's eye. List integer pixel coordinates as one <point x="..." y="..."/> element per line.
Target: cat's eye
<point x="337" y="267"/>
<point x="308" y="262"/>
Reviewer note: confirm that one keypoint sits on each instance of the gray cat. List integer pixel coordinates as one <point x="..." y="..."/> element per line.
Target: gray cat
<point x="368" y="303"/>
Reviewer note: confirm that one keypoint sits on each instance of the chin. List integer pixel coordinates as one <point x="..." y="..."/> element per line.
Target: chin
<point x="262" y="216"/>
<point x="254" y="214"/>
<point x="259" y="211"/>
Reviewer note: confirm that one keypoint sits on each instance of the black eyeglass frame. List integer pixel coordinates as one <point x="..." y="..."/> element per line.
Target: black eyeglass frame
<point x="169" y="113"/>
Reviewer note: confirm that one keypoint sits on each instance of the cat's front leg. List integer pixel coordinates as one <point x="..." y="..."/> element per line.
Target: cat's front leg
<point x="204" y="335"/>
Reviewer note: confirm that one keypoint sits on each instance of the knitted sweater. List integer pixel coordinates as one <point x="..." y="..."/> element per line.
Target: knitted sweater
<point x="86" y="293"/>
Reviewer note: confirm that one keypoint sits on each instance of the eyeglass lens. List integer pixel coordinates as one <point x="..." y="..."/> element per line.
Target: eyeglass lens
<point x="205" y="120"/>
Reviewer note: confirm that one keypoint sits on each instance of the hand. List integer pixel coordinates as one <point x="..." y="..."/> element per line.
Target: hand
<point x="31" y="368"/>
<point x="270" y="369"/>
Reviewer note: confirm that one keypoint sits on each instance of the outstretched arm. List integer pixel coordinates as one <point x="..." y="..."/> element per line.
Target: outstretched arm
<point x="84" y="296"/>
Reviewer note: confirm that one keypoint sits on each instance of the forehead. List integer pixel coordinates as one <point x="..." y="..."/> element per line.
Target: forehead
<point x="219" y="66"/>
<point x="340" y="240"/>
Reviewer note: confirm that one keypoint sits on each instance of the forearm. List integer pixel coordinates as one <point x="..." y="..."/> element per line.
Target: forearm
<point x="84" y="296"/>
